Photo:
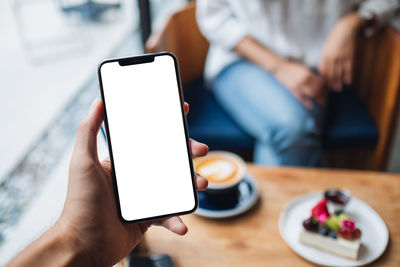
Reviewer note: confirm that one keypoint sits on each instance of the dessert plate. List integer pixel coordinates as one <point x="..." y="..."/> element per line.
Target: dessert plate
<point x="248" y="198"/>
<point x="374" y="238"/>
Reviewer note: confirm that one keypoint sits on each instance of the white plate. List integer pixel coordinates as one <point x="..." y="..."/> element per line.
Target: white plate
<point x="248" y="200"/>
<point x="374" y="238"/>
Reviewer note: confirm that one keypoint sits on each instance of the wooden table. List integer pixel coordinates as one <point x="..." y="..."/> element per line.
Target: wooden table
<point x="253" y="239"/>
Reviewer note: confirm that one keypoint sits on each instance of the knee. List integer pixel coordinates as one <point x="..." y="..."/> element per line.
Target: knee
<point x="295" y="130"/>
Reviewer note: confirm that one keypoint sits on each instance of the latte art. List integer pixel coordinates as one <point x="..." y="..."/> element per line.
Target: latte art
<point x="220" y="168"/>
<point x="217" y="171"/>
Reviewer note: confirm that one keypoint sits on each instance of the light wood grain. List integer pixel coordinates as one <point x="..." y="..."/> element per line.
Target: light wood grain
<point x="253" y="239"/>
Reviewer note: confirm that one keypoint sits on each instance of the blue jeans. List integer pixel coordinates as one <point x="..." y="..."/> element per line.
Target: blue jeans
<point x="286" y="133"/>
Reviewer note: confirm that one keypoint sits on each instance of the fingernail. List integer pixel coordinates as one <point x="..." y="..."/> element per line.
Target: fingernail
<point x="93" y="106"/>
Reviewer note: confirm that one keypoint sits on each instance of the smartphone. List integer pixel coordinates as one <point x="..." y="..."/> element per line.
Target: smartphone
<point x="147" y="137"/>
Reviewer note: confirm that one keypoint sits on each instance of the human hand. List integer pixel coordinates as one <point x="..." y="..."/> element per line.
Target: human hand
<point x="337" y="61"/>
<point x="302" y="83"/>
<point x="89" y="217"/>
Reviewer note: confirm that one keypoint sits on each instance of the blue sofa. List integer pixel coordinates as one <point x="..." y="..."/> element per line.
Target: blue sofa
<point x="347" y="123"/>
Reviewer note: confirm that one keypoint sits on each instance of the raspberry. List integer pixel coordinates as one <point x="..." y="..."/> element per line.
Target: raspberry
<point x="320" y="211"/>
<point x="348" y="224"/>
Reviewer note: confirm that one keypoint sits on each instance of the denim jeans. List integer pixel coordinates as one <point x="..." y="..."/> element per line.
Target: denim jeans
<point x="286" y="133"/>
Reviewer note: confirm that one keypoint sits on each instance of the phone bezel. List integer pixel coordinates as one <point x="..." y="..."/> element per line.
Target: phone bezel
<point x="141" y="59"/>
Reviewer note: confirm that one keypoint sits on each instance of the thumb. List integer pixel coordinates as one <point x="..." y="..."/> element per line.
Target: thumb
<point x="86" y="139"/>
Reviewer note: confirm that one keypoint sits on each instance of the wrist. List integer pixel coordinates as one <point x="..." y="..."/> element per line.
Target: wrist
<point x="277" y="65"/>
<point x="53" y="248"/>
<point x="68" y="245"/>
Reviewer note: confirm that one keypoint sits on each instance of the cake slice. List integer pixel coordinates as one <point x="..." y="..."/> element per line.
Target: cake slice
<point x="334" y="233"/>
<point x="338" y="246"/>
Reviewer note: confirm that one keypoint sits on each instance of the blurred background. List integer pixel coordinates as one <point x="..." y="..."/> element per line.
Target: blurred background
<point x="49" y="53"/>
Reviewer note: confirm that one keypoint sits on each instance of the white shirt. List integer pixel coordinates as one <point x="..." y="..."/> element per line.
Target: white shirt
<point x="294" y="29"/>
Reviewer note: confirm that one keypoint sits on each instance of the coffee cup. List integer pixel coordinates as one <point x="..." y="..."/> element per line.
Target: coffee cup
<point x="224" y="172"/>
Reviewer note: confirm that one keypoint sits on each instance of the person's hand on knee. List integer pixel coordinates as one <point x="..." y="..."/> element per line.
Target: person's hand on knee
<point x="302" y="82"/>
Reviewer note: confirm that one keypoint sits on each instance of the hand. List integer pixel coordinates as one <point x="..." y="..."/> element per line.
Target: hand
<point x="337" y="61"/>
<point x="89" y="231"/>
<point x="302" y="83"/>
<point x="90" y="213"/>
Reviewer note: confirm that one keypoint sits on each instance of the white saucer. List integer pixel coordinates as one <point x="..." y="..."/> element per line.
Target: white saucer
<point x="374" y="238"/>
<point x="248" y="198"/>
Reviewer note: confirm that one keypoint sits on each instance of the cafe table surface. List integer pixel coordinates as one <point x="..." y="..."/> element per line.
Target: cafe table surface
<point x="253" y="238"/>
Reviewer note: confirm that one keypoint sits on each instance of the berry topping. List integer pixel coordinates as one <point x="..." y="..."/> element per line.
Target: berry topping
<point x="310" y="224"/>
<point x="337" y="196"/>
<point x="348" y="224"/>
<point x="320" y="211"/>
<point x="323" y="231"/>
<point x="357" y="233"/>
<point x="343" y="216"/>
<point x="350" y="235"/>
<point x="333" y="223"/>
<point x="346" y="234"/>
<point x="332" y="234"/>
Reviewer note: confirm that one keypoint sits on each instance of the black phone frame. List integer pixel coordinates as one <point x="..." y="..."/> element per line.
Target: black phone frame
<point x="140" y="59"/>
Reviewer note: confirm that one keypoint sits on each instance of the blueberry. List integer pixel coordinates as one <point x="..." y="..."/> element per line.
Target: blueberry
<point x="323" y="231"/>
<point x="332" y="234"/>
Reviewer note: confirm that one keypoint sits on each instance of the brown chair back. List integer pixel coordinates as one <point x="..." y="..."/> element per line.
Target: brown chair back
<point x="181" y="36"/>
<point x="377" y="80"/>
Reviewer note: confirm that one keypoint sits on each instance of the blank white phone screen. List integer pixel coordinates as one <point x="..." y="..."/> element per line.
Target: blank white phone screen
<point x="151" y="160"/>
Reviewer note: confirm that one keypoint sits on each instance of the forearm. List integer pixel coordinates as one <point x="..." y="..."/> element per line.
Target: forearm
<point x="258" y="54"/>
<point x="52" y="249"/>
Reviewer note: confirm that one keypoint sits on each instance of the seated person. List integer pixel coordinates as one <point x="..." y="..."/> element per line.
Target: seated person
<point x="270" y="64"/>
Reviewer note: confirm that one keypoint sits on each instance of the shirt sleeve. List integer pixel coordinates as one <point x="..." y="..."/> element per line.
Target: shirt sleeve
<point x="218" y="23"/>
<point x="382" y="9"/>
